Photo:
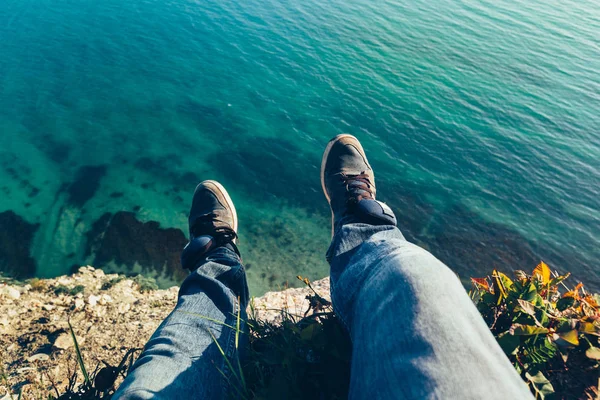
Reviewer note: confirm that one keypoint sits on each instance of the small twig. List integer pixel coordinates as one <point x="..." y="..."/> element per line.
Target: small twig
<point x="53" y="384"/>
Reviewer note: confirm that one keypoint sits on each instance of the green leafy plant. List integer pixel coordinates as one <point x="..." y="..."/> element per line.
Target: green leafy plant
<point x="37" y="285"/>
<point x="145" y="284"/>
<point x="109" y="283"/>
<point x="62" y="289"/>
<point x="548" y="331"/>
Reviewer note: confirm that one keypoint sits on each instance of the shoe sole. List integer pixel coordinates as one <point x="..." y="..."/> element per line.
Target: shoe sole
<point x="228" y="200"/>
<point x="324" y="161"/>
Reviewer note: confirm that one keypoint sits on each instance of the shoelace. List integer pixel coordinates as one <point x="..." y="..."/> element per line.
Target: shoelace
<point x="205" y="225"/>
<point x="358" y="186"/>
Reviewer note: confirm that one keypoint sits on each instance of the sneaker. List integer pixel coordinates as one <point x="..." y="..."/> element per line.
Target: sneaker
<point x="212" y="211"/>
<point x="212" y="223"/>
<point x="349" y="185"/>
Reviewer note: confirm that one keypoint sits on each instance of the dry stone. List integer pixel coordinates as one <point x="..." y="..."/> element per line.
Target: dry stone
<point x="106" y="323"/>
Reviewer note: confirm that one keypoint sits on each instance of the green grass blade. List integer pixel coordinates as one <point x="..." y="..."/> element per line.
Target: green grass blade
<point x="86" y="377"/>
<point x="242" y="395"/>
<point x="237" y="342"/>
<point x="222" y="352"/>
<point x="225" y="357"/>
<point x="207" y="318"/>
<point x="237" y="326"/>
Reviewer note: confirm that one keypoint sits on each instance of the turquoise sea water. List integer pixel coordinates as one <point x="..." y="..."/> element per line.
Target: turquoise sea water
<point x="481" y="119"/>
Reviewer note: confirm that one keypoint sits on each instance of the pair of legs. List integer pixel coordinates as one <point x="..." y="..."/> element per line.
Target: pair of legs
<point x="415" y="333"/>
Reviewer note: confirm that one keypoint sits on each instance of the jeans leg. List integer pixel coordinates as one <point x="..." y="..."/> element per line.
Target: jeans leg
<point x="181" y="359"/>
<point x="415" y="332"/>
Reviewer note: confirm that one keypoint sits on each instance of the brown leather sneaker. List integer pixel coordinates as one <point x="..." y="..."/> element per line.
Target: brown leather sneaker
<point x="213" y="213"/>
<point x="349" y="185"/>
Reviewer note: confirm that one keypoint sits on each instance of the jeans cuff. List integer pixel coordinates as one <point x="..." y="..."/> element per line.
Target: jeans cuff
<point x="225" y="266"/>
<point x="348" y="237"/>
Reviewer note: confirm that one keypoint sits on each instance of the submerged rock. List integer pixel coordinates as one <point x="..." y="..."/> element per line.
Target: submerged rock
<point x="16" y="236"/>
<point x="125" y="241"/>
<point x="86" y="184"/>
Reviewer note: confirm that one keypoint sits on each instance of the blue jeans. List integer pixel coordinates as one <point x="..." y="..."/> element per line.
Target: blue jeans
<point x="415" y="332"/>
<point x="182" y="359"/>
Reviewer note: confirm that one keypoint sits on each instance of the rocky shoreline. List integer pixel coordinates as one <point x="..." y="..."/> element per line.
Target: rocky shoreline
<point x="110" y="315"/>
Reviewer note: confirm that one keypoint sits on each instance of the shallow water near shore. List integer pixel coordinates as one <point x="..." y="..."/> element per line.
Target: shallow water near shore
<point x="480" y="118"/>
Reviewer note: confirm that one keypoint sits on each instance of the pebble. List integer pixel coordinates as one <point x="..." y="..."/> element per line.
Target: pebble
<point x="79" y="304"/>
<point x="105" y="299"/>
<point x="63" y="341"/>
<point x="63" y="280"/>
<point x="123" y="308"/>
<point x="39" y="357"/>
<point x="10" y="292"/>
<point x="93" y="300"/>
